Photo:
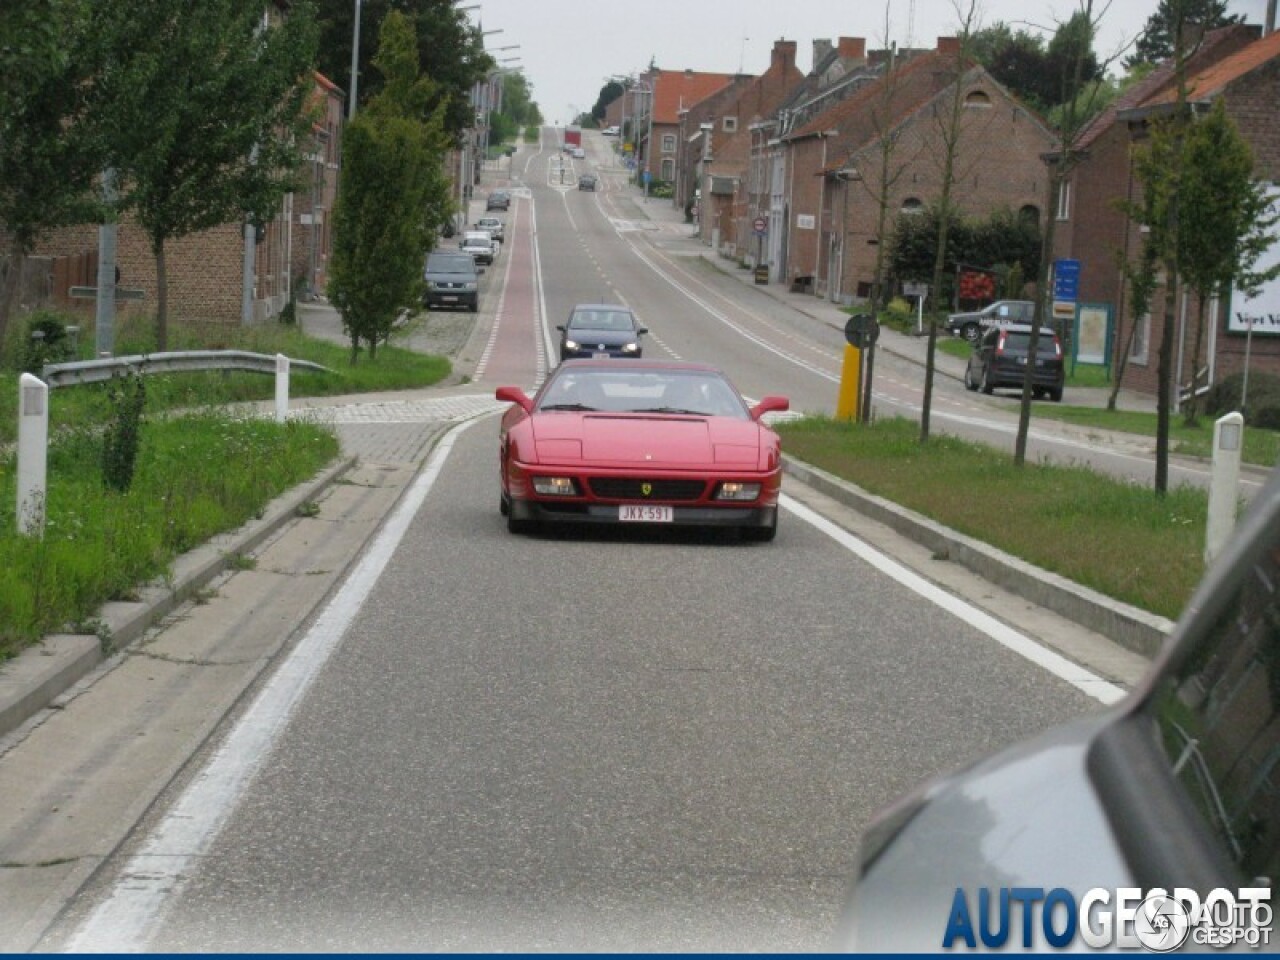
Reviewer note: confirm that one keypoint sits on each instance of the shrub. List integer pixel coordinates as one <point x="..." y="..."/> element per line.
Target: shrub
<point x="46" y="341"/>
<point x="128" y="397"/>
<point x="1263" y="408"/>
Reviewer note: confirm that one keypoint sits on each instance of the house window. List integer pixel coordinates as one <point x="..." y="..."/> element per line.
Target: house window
<point x="1064" y="201"/>
<point x="912" y="205"/>
<point x="668" y="143"/>
<point x="977" y="98"/>
<point x="730" y="124"/>
<point x="1030" y="213"/>
<point x="668" y="169"/>
<point x="1141" y="339"/>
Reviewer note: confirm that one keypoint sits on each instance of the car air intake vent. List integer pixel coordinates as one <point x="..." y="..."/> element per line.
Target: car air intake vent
<point x="623" y="488"/>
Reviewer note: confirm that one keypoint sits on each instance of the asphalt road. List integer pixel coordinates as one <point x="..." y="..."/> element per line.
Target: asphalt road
<point x="639" y="740"/>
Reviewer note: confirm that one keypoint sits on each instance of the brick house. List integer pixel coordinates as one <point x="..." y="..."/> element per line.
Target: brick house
<point x="835" y="164"/>
<point x="206" y="270"/>
<point x="656" y="117"/>
<point x="726" y="206"/>
<point x="701" y="128"/>
<point x="1244" y="71"/>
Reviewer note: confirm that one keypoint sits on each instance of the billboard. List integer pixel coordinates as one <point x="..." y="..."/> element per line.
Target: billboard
<point x="1262" y="311"/>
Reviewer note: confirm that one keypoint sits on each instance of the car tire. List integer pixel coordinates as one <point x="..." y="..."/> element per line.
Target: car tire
<point x="969" y="382"/>
<point x="971" y="332"/>
<point x="987" y="388"/>
<point x="474" y="306"/>
<point x="1056" y="394"/>
<point x="504" y="505"/>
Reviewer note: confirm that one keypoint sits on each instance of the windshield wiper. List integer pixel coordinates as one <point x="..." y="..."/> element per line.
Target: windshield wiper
<point x="692" y="413"/>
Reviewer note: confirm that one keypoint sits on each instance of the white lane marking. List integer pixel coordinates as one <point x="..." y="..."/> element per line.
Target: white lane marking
<point x="1083" y="680"/>
<point x="124" y="922"/>
<point x="548" y="342"/>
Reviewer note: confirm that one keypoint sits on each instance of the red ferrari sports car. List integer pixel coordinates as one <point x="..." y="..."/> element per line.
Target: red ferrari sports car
<point x="639" y="441"/>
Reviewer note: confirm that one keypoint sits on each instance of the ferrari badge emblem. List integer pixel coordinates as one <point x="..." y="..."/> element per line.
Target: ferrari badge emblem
<point x="646" y="489"/>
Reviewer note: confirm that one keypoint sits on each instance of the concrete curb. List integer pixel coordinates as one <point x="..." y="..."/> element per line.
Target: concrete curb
<point x="1137" y="630"/>
<point x="42" y="672"/>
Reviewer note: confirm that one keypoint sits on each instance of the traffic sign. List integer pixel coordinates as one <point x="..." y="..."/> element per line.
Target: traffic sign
<point x="862" y="331"/>
<point x="1066" y="280"/>
<point x="760" y="225"/>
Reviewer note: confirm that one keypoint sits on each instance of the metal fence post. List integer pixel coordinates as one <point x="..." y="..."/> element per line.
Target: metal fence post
<point x="33" y="451"/>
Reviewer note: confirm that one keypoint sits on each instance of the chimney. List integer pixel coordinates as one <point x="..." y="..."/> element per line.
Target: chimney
<point x="821" y="47"/>
<point x="949" y="46"/>
<point x="784" y="55"/>
<point x="852" y="48"/>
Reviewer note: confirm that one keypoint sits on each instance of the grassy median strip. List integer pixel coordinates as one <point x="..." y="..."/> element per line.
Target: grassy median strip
<point x="197" y="475"/>
<point x="1118" y="538"/>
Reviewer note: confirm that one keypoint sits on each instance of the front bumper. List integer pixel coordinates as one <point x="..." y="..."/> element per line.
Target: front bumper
<point x="606" y="514"/>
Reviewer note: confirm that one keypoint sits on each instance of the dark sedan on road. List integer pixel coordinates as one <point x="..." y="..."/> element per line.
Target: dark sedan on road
<point x="587" y="182"/>
<point x="1001" y="355"/>
<point x="601" y="330"/>
<point x="639" y="442"/>
<point x="498" y="200"/>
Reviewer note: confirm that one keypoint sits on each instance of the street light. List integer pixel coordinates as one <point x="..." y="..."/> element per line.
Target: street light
<point x="355" y="63"/>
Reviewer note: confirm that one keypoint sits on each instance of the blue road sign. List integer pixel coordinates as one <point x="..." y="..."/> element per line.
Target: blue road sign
<point x="1066" y="280"/>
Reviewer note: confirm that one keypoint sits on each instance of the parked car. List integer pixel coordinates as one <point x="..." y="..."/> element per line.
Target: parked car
<point x="999" y="360"/>
<point x="498" y="200"/>
<point x="493" y="226"/>
<point x="578" y="153"/>
<point x="480" y="245"/>
<point x="601" y="330"/>
<point x="970" y="325"/>
<point x="611" y="131"/>
<point x="572" y="453"/>
<point x="453" y="280"/>
<point x="587" y="181"/>
<point x="1169" y="794"/>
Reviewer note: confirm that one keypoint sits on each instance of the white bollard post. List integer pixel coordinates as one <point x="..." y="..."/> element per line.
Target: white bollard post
<point x="33" y="452"/>
<point x="282" y="388"/>
<point x="1224" y="483"/>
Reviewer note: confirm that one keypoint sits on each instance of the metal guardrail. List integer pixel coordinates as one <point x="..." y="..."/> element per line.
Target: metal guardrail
<point x="99" y="371"/>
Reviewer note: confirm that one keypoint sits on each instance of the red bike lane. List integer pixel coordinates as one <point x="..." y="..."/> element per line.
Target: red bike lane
<point x="515" y="353"/>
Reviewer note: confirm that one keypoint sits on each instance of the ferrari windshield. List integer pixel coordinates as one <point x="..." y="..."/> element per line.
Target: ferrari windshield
<point x="690" y="392"/>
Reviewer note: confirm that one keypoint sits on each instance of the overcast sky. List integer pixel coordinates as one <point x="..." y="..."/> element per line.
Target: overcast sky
<point x="569" y="48"/>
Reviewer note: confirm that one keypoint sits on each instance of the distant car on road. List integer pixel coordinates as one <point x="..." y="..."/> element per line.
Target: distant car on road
<point x="601" y="330"/>
<point x="611" y="131"/>
<point x="970" y="325"/>
<point x="498" y="200"/>
<point x="494" y="227"/>
<point x="639" y="442"/>
<point x="453" y="280"/>
<point x="587" y="182"/>
<point x="578" y="153"/>
<point x="1001" y="356"/>
<point x="480" y="245"/>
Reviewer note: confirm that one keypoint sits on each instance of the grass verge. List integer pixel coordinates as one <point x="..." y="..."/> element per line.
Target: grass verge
<point x="1119" y="539"/>
<point x="197" y="475"/>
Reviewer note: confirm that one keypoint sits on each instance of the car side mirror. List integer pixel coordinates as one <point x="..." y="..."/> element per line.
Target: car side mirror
<point x="769" y="405"/>
<point x="642" y="330"/>
<point x="560" y="327"/>
<point x="514" y="395"/>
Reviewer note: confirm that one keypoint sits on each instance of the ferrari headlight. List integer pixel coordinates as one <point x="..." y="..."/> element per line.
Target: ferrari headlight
<point x="571" y="345"/>
<point x="735" y="490"/>
<point x="555" y="486"/>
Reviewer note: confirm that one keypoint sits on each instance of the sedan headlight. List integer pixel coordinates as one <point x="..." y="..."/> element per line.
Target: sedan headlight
<point x="571" y="345"/>
<point x="630" y="347"/>
<point x="470" y="286"/>
<point x="734" y="490"/>
<point x="555" y="486"/>
<point x="431" y="284"/>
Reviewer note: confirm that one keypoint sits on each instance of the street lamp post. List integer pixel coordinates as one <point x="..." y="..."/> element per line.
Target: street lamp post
<point x="355" y="63"/>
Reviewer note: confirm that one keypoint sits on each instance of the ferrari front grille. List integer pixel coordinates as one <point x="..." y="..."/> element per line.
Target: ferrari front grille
<point x="666" y="491"/>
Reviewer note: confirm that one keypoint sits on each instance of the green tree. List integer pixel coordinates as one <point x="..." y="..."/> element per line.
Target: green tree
<point x="389" y="194"/>
<point x="1156" y="44"/>
<point x="207" y="110"/>
<point x="450" y="52"/>
<point x="49" y="156"/>
<point x="1226" y="221"/>
<point x="610" y="92"/>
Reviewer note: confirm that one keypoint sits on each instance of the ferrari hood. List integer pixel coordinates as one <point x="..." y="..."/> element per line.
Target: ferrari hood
<point x="661" y="441"/>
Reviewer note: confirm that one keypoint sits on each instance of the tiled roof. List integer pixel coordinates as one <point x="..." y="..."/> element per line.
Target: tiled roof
<point x="676" y="90"/>
<point x="1147" y="89"/>
<point x="855" y="119"/>
<point x="1210" y="81"/>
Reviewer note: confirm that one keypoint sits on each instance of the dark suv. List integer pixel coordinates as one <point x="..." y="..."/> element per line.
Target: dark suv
<point x="498" y="200"/>
<point x="999" y="359"/>
<point x="453" y="280"/>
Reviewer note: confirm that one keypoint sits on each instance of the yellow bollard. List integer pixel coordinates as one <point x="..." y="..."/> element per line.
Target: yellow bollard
<point x="850" y="384"/>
